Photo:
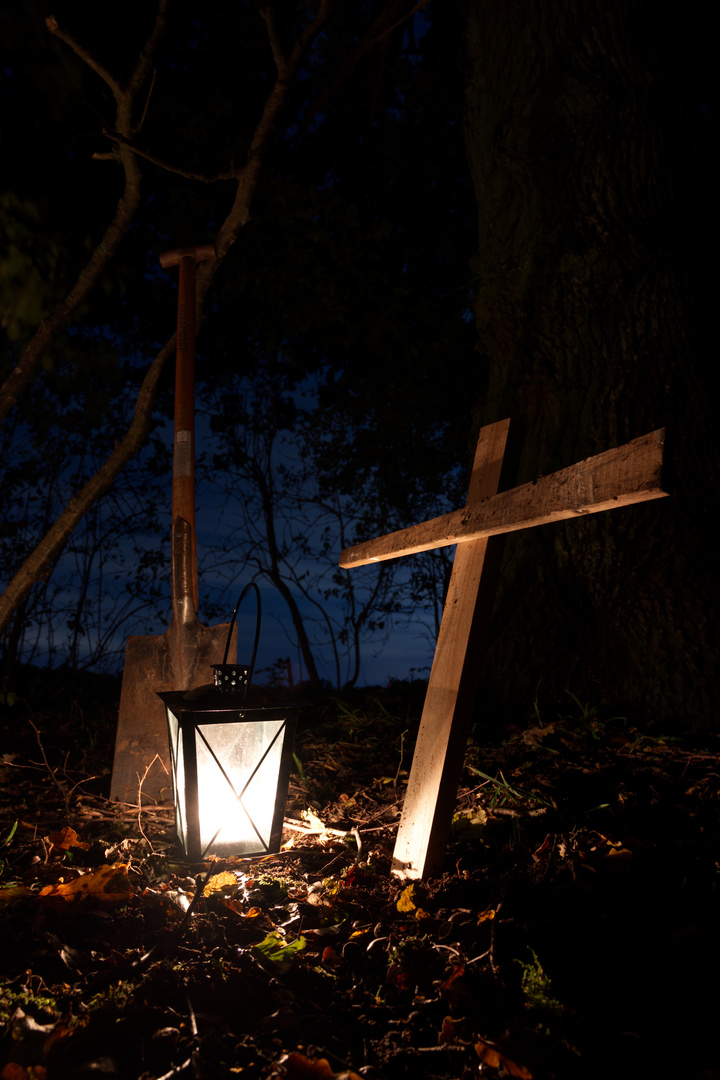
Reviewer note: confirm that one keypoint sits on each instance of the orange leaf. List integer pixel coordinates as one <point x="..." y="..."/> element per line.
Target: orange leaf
<point x="490" y="1055"/>
<point x="11" y="1071"/>
<point x="65" y="839"/>
<point x="448" y="1031"/>
<point x="107" y="886"/>
<point x="453" y="990"/>
<point x="299" y="1067"/>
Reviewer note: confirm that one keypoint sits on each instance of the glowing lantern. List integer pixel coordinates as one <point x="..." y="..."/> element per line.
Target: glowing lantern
<point x="231" y="753"/>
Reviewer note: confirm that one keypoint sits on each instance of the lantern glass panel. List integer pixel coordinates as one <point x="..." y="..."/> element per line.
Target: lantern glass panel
<point x="237" y="768"/>
<point x="231" y="756"/>
<point x="177" y="763"/>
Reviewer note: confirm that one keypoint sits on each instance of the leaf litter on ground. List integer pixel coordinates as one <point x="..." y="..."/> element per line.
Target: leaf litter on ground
<point x="571" y="935"/>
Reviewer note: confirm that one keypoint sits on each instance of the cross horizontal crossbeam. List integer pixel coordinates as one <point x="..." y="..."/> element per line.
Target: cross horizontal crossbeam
<point x="628" y="474"/>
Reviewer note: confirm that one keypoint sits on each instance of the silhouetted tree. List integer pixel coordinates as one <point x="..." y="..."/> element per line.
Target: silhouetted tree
<point x="587" y="138"/>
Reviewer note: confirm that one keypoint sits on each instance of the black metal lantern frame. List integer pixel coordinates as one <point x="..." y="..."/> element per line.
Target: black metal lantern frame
<point x="231" y="753"/>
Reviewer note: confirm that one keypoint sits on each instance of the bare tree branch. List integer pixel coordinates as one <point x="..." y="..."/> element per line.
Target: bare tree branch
<point x="250" y="174"/>
<point x="268" y="15"/>
<point x="50" y="547"/>
<point x="127" y="206"/>
<point x="47" y="551"/>
<point x="87" y="58"/>
<point x="165" y="165"/>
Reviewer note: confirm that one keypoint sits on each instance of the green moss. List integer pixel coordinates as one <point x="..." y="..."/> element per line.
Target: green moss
<point x="536" y="987"/>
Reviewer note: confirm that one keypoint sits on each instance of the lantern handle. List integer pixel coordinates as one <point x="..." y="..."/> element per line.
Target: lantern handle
<point x="251" y="669"/>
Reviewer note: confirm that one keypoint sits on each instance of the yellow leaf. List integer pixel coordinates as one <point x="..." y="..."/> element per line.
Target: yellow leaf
<point x="221" y="883"/>
<point x="488" y="913"/>
<point x="618" y="855"/>
<point x="405" y="903"/>
<point x="107" y="886"/>
<point x="471" y="825"/>
<point x="11" y="893"/>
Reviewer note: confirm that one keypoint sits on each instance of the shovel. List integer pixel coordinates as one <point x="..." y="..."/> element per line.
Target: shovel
<point x="182" y="657"/>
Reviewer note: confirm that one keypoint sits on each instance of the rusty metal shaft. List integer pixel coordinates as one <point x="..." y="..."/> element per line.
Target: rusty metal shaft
<point x="183" y="487"/>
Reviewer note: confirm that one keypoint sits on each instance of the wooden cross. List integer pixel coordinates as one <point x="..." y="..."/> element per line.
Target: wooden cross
<point x="620" y="477"/>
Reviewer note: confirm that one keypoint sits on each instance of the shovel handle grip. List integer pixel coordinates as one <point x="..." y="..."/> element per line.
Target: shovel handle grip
<point x="199" y="253"/>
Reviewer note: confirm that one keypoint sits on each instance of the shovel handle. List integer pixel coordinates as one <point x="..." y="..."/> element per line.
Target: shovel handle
<point x="200" y="253"/>
<point x="183" y="488"/>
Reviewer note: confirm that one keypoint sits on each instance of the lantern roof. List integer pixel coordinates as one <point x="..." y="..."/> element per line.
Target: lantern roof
<point x="208" y="698"/>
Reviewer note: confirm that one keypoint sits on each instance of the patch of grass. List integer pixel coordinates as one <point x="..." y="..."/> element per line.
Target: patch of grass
<point x="42" y="1007"/>
<point x="536" y="987"/>
<point x="503" y="792"/>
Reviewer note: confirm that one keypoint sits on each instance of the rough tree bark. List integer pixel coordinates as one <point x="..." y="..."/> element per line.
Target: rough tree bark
<point x="582" y="135"/>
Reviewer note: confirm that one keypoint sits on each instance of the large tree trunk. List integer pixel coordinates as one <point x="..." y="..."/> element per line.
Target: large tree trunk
<point x="583" y="135"/>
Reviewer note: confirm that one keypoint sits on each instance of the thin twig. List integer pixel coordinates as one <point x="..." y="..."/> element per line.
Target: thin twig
<point x="175" y="169"/>
<point x="141" y="781"/>
<point x="178" y="1070"/>
<point x="87" y="57"/>
<point x="402" y="750"/>
<point x="55" y="780"/>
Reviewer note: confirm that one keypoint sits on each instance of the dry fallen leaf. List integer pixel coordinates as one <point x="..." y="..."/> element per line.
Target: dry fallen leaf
<point x="618" y="855"/>
<point x="449" y="1032"/>
<point x="65" y="839"/>
<point x="224" y="883"/>
<point x="107" y="886"/>
<point x="490" y="1055"/>
<point x="453" y="989"/>
<point x="296" y="1066"/>
<point x="12" y="1071"/>
<point x="313" y="820"/>
<point x="405" y="903"/>
<point x="11" y="893"/>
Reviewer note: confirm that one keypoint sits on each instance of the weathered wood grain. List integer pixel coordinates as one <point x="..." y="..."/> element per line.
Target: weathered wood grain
<point x="628" y="474"/>
<point x="447" y="712"/>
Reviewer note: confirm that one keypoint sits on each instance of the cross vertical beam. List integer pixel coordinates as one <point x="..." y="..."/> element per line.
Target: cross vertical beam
<point x="445" y="724"/>
<point x="628" y="474"/>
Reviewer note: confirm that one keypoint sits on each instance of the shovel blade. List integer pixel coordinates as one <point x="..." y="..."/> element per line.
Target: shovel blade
<point x="141" y="767"/>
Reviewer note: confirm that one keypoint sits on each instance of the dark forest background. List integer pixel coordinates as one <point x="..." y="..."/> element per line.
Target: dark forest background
<point x="427" y="217"/>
